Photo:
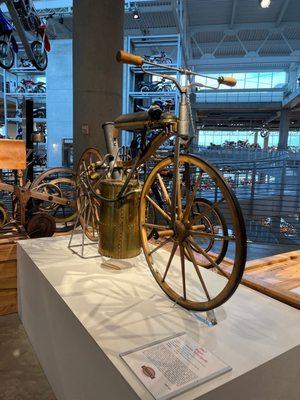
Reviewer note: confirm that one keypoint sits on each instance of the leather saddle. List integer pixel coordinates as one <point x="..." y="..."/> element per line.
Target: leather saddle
<point x="143" y="120"/>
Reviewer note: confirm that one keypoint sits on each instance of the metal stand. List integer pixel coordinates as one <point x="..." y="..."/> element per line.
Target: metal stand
<point x="83" y="241"/>
<point x="210" y="319"/>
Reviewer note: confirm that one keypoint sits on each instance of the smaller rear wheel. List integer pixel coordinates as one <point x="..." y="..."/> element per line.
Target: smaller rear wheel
<point x="87" y="204"/>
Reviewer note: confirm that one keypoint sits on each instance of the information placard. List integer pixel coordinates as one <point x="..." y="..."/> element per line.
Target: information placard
<point x="173" y="365"/>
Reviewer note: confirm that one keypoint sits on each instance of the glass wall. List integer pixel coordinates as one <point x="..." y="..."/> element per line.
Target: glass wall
<point x="206" y="138"/>
<point x="251" y="80"/>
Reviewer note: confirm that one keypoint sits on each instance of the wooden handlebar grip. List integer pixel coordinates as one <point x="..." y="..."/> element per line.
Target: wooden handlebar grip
<point x="227" y="80"/>
<point x="128" y="58"/>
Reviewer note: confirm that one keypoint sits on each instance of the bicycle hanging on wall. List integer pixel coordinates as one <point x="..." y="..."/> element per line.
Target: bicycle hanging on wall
<point x="186" y="207"/>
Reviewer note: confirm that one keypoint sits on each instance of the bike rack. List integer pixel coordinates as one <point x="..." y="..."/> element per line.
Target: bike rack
<point x="83" y="242"/>
<point x="21" y="32"/>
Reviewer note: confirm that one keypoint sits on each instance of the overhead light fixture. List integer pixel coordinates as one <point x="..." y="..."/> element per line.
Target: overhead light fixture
<point x="265" y="3"/>
<point x="136" y="13"/>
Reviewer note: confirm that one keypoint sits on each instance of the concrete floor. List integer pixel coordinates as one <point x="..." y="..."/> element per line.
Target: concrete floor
<point x="21" y="376"/>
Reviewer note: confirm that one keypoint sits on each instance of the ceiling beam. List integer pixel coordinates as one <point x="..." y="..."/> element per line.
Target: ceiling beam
<point x="244" y="63"/>
<point x="244" y="26"/>
<point x="233" y="12"/>
<point x="254" y="45"/>
<point x="180" y="18"/>
<point x="282" y="11"/>
<point x="186" y="29"/>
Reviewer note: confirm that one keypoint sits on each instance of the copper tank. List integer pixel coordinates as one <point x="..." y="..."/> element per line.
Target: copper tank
<point x="119" y="235"/>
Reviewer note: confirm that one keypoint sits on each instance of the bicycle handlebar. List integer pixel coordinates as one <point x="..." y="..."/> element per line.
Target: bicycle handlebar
<point x="227" y="80"/>
<point x="128" y="58"/>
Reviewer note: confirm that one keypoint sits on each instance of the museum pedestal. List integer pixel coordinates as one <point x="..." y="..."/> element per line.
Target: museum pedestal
<point x="80" y="315"/>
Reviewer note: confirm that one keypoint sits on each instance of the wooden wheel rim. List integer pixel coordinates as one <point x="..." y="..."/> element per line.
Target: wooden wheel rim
<point x="89" y="156"/>
<point x="239" y="229"/>
<point x="71" y="183"/>
<point x="62" y="175"/>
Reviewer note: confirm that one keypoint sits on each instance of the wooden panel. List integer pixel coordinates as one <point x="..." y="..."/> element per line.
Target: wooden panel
<point x="8" y="301"/>
<point x="277" y="276"/>
<point x="8" y="269"/>
<point x="8" y="251"/>
<point x="8" y="278"/>
<point x="12" y="154"/>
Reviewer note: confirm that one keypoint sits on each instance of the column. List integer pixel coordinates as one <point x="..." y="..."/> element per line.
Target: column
<point x="284" y="129"/>
<point x="59" y="80"/>
<point x="255" y="137"/>
<point x="97" y="77"/>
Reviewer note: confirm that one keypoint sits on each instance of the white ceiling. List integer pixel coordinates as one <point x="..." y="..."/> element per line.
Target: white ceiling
<point x="225" y="29"/>
<point x="214" y="31"/>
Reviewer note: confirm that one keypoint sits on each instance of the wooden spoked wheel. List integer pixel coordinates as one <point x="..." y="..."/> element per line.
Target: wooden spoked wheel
<point x="204" y="213"/>
<point x="64" y="215"/>
<point x="87" y="204"/>
<point x="197" y="224"/>
<point x="58" y="182"/>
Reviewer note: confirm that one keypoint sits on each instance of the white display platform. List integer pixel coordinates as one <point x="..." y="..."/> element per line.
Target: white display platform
<point x="80" y="316"/>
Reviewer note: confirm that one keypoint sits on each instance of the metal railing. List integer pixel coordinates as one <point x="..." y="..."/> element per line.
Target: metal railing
<point x="267" y="186"/>
<point x="244" y="154"/>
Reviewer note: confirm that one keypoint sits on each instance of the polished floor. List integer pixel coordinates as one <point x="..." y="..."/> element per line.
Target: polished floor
<point x="21" y="376"/>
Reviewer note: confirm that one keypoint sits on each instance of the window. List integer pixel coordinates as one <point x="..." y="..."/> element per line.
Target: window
<point x="251" y="80"/>
<point x="220" y="137"/>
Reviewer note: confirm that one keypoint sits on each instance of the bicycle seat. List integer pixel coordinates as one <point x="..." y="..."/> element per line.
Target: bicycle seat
<point x="139" y="116"/>
<point x="142" y="120"/>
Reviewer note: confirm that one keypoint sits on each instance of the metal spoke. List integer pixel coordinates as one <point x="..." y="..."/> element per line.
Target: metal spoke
<point x="164" y="190"/>
<point x="192" y="197"/>
<point x="182" y="257"/>
<point x="178" y="192"/>
<point x="160" y="246"/>
<point x="191" y="254"/>
<point x="55" y="211"/>
<point x="160" y="210"/>
<point x="93" y="217"/>
<point x="88" y="214"/>
<point x="212" y="207"/>
<point x="208" y="257"/>
<point x="212" y="235"/>
<point x="175" y="245"/>
<point x="155" y="226"/>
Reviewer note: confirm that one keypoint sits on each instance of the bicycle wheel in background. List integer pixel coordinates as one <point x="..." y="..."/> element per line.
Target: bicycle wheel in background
<point x="87" y="204"/>
<point x="7" y="55"/>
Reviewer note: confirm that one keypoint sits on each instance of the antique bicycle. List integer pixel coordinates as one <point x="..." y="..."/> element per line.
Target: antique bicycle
<point x="185" y="206"/>
<point x="38" y="208"/>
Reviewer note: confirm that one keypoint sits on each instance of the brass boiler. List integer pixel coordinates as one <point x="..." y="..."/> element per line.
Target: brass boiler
<point x="119" y="235"/>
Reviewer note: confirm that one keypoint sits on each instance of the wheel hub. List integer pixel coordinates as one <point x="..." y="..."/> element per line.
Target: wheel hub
<point x="180" y="229"/>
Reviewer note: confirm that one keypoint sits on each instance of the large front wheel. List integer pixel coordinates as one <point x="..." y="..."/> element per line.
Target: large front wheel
<point x="198" y="221"/>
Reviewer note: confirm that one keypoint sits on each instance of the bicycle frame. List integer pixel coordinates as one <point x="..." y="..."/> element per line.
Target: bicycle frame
<point x="178" y="127"/>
